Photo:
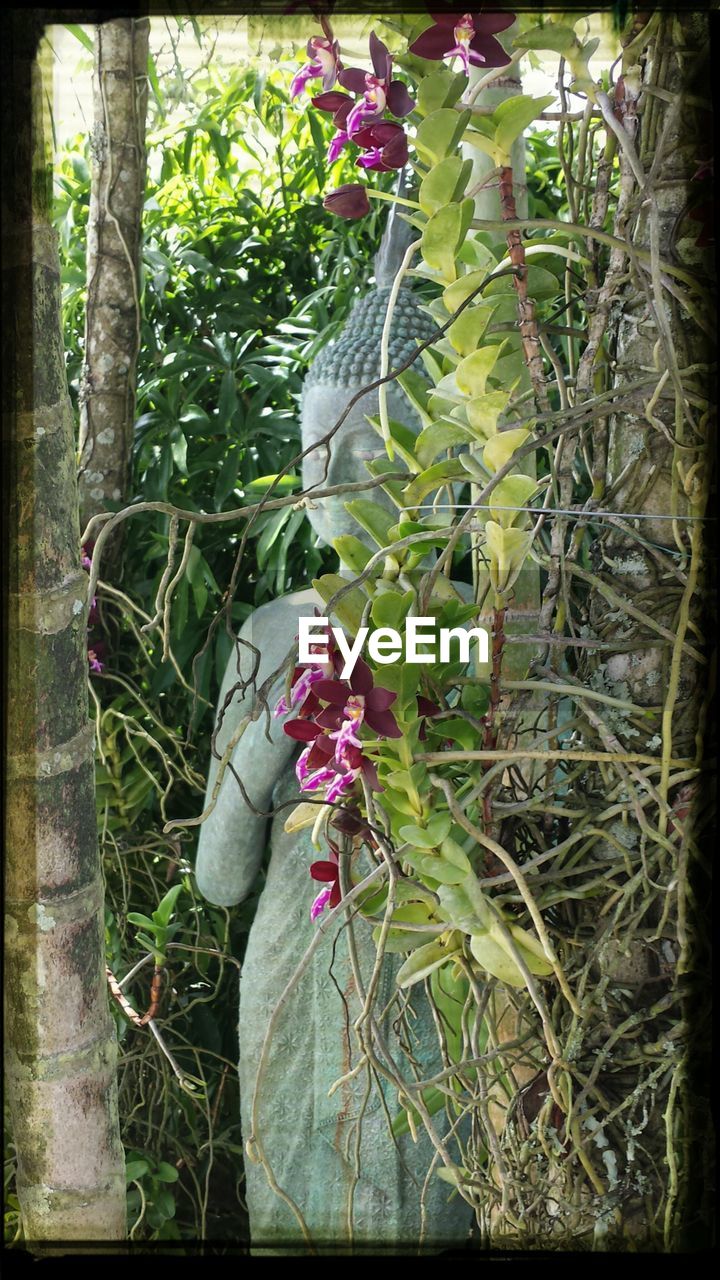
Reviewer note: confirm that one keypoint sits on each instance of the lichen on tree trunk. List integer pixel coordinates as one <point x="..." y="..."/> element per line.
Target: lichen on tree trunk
<point x="112" y="325"/>
<point x="60" y="1042"/>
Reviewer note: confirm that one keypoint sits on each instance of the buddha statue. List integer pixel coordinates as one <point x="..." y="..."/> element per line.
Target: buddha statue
<point x="331" y="1155"/>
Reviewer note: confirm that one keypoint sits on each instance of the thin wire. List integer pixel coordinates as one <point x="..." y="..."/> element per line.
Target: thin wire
<point x="565" y="511"/>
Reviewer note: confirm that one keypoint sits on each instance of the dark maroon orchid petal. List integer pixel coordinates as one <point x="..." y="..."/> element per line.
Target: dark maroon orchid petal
<point x="385" y="131"/>
<point x="319" y="755"/>
<point x="488" y="24"/>
<point x="348" y="201"/>
<point x="330" y="717"/>
<point x="366" y="137"/>
<point x="336" y="895"/>
<point x="331" y="101"/>
<point x="399" y="100"/>
<point x="353" y="755"/>
<point x="309" y="706"/>
<point x="492" y="51"/>
<point x="350" y="822"/>
<point x="352" y="78"/>
<point x="361" y="680"/>
<point x="369" y="773"/>
<point x="301" y="730"/>
<point x="432" y="44"/>
<point x="334" y="691"/>
<point x="426" y="707"/>
<point x="379" y="699"/>
<point x="380" y="57"/>
<point x="383" y="722"/>
<point x="324" y="871"/>
<point x="395" y="152"/>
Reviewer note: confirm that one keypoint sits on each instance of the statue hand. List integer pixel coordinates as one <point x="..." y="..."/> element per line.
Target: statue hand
<point x="233" y="836"/>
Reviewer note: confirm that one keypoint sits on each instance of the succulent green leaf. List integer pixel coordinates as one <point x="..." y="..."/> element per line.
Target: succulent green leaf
<point x="439" y="473"/>
<point x="473" y="372"/>
<point x="442" y="237"/>
<point x="441" y="88"/>
<point x="461" y="289"/>
<point x="483" y="412"/>
<point x="350" y="608"/>
<point x="501" y="447"/>
<point x="438" y="437"/>
<point x="444" y="184"/>
<point x="389" y="609"/>
<point x="512" y="491"/>
<point x="551" y="35"/>
<point x="439" y="134"/>
<point x="373" y="518"/>
<point x="465" y="333"/>
<point x="352" y="552"/>
<point x="166" y="907"/>
<point x="422" y="962"/>
<point x="513" y="116"/>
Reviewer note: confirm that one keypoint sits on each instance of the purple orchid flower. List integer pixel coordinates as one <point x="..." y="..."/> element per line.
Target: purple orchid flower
<point x="467" y="36"/>
<point x="348" y="201"/>
<point x="385" y="145"/>
<point x="327" y="872"/>
<point x="379" y="91"/>
<point x="324" y="54"/>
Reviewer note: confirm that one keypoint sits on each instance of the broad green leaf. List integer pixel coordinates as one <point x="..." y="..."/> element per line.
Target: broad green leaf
<point x="350" y="608"/>
<point x="416" y="390"/>
<point x="427" y="481"/>
<point x="457" y="729"/>
<point x="508" y="549"/>
<point x="422" y="962"/>
<point x="473" y="372"/>
<point x="166" y="1172"/>
<point x="551" y="35"/>
<point x="439" y="134"/>
<point x="135" y="1169"/>
<point x="439" y="826"/>
<point x="436" y="868"/>
<point x="495" y="960"/>
<point x="136" y="917"/>
<point x="513" y="116"/>
<point x="444" y="184"/>
<point x="303" y="815"/>
<point x="466" y="332"/>
<point x="481" y="142"/>
<point x="438" y="437"/>
<point x="501" y="447"/>
<point x="459" y="290"/>
<point x="512" y="491"/>
<point x="399" y="939"/>
<point x="389" y="609"/>
<point x="442" y="237"/>
<point x="483" y="412"/>
<point x="440" y="88"/>
<point x="402" y="436"/>
<point x="452" y="852"/>
<point x="352" y="552"/>
<point x="166" y="906"/>
<point x="373" y="518"/>
<point x="540" y="282"/>
<point x="418" y="837"/>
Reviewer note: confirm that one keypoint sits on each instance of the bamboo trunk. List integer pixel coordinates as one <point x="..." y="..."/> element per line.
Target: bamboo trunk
<point x="60" y="1042"/>
<point x="112" y="319"/>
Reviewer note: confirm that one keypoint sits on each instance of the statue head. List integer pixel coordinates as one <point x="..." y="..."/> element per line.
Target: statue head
<point x="346" y="364"/>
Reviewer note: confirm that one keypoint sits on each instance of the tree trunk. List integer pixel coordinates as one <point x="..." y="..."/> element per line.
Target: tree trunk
<point x="660" y="438"/>
<point x="112" y="321"/>
<point x="60" y="1042"/>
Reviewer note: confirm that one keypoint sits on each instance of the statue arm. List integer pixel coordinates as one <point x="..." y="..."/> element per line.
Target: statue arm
<point x="233" y="837"/>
